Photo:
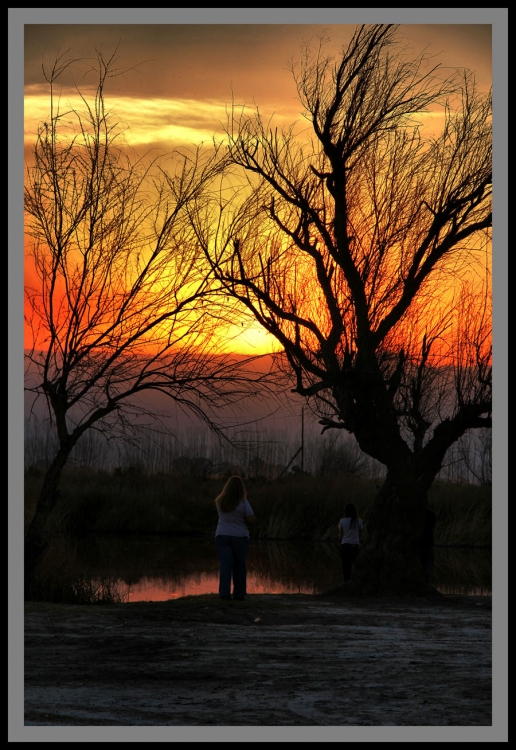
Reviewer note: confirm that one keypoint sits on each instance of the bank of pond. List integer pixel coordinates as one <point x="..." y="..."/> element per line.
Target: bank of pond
<point x="132" y="568"/>
<point x="129" y="536"/>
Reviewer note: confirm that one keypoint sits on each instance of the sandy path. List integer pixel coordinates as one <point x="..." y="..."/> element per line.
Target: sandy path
<point x="273" y="660"/>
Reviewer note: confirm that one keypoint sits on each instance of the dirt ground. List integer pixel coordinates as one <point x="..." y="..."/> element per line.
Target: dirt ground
<point x="271" y="660"/>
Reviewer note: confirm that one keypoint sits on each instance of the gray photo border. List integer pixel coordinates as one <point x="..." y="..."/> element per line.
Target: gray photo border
<point x="17" y="17"/>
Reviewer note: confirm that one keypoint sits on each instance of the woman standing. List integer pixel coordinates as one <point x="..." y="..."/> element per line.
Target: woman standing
<point x="232" y="537"/>
<point x="350" y="529"/>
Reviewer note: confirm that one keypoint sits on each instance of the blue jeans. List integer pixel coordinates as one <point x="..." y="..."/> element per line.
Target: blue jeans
<point x="348" y="555"/>
<point x="232" y="552"/>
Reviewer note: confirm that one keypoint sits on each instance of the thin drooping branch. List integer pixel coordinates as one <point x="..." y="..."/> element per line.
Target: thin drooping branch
<point x="120" y="294"/>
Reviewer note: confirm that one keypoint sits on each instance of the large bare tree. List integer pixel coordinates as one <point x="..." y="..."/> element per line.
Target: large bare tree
<point x="363" y="247"/>
<point x="116" y="284"/>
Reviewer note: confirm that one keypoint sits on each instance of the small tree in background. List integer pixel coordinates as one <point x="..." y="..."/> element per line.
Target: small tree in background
<point x="116" y="307"/>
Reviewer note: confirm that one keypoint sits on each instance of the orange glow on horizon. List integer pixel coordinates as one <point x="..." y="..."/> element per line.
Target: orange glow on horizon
<point x="152" y="117"/>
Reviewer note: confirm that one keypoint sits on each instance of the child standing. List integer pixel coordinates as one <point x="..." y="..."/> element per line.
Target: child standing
<point x="350" y="528"/>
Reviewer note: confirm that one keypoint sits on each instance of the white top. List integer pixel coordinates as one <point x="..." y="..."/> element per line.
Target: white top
<point x="350" y="533"/>
<point x="233" y="523"/>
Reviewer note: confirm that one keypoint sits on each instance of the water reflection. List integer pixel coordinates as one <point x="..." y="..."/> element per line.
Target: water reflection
<point x="154" y="590"/>
<point x="158" y="569"/>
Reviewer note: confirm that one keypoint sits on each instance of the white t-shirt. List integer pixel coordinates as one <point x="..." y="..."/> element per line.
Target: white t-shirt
<point x="350" y="533"/>
<point x="233" y="523"/>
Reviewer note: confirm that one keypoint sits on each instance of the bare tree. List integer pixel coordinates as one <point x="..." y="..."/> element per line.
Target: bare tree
<point x="364" y="250"/>
<point x="118" y="303"/>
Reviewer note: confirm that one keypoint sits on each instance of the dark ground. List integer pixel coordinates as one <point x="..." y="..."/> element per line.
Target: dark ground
<point x="272" y="660"/>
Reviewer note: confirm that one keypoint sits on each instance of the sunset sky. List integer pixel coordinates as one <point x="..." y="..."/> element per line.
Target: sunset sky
<point x="182" y="78"/>
<point x="186" y="75"/>
<point x="192" y="72"/>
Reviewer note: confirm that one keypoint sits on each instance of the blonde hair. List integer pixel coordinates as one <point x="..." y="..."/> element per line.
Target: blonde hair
<point x="351" y="511"/>
<point x="234" y="491"/>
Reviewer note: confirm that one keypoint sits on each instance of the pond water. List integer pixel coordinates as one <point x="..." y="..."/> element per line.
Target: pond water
<point x="162" y="568"/>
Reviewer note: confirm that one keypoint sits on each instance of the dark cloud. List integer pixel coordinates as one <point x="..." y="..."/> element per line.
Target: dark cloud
<point x="185" y="61"/>
<point x="216" y="61"/>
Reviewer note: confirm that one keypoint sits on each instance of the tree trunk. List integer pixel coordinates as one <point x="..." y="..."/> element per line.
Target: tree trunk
<point x="390" y="563"/>
<point x="35" y="538"/>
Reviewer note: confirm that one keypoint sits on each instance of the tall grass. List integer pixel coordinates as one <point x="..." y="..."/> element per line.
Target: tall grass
<point x="458" y="571"/>
<point x="257" y="450"/>
<point x="60" y="579"/>
<point x="308" y="507"/>
<point x="464" y="514"/>
<point x="295" y="506"/>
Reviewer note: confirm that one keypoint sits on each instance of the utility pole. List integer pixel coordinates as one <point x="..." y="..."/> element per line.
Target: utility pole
<point x="302" y="438"/>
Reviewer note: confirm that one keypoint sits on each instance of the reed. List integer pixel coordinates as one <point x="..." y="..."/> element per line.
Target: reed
<point x="295" y="506"/>
<point x="456" y="571"/>
<point x="307" y="507"/>
<point x="61" y="579"/>
<point x="463" y="514"/>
